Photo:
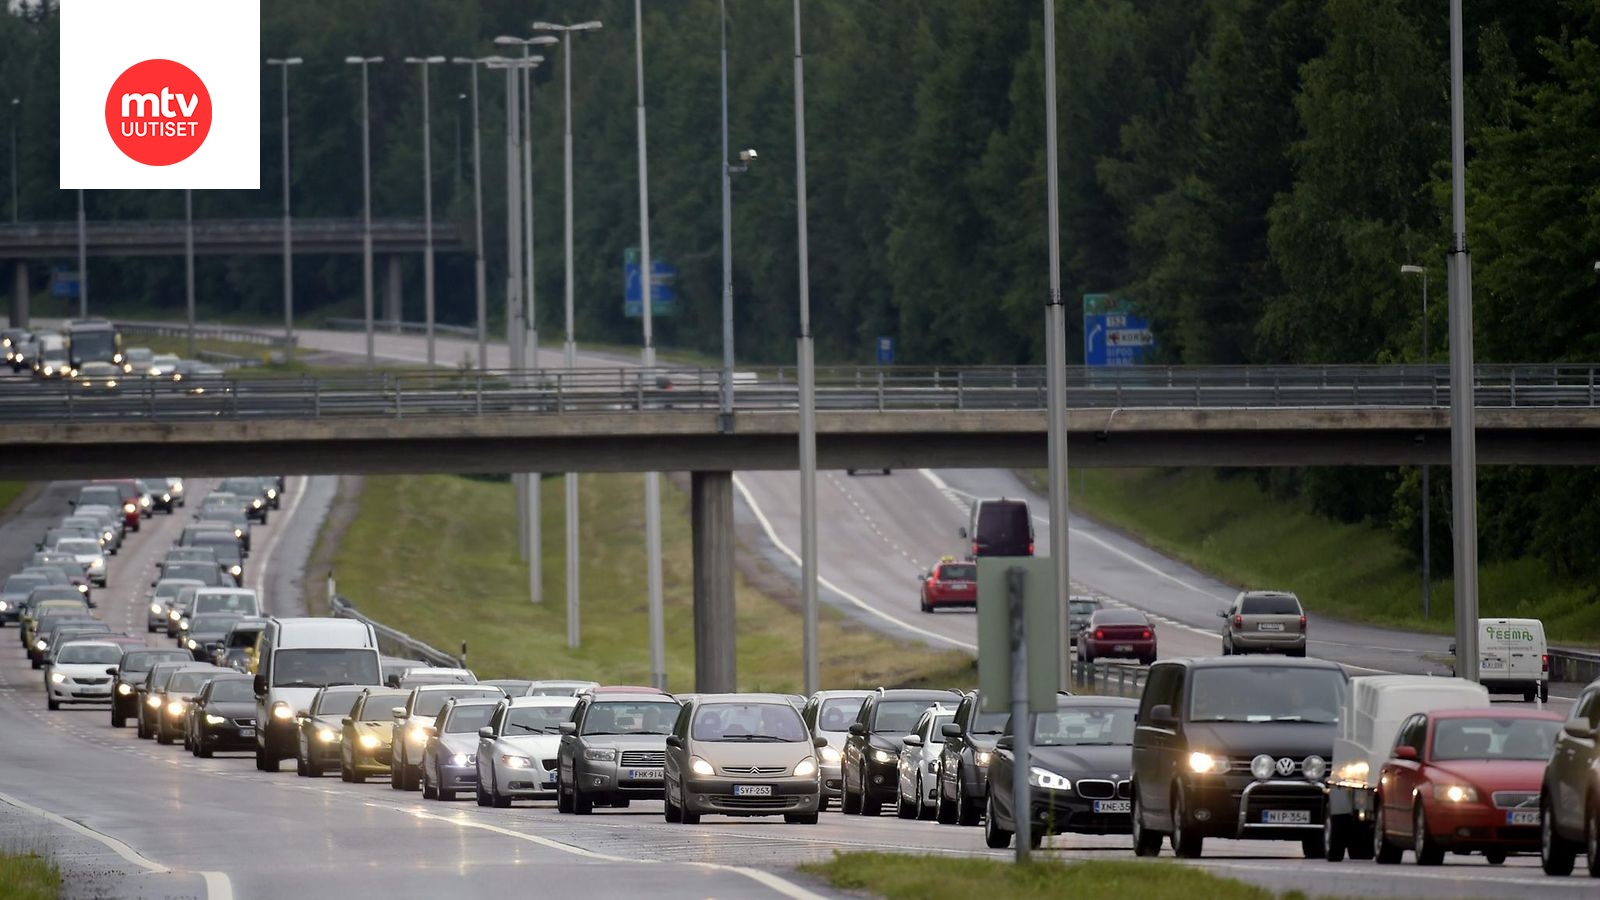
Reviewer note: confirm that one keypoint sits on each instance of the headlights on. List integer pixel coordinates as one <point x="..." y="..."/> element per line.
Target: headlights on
<point x="805" y="768"/>
<point x="282" y="712"/>
<point x="190" y="644"/>
<point x="214" y="720"/>
<point x="153" y="702"/>
<point x="515" y="762"/>
<point x="329" y="736"/>
<point x="1204" y="763"/>
<point x="831" y="756"/>
<point x="129" y="508"/>
<point x="981" y="757"/>
<point x="416" y="734"/>
<point x="235" y="570"/>
<point x="183" y="624"/>
<point x="882" y="756"/>
<point x="124" y="689"/>
<point x="1050" y="781"/>
<point x="1354" y="772"/>
<point x="600" y="754"/>
<point x="40" y="646"/>
<point x="1455" y="793"/>
<point x="173" y="615"/>
<point x="369" y="742"/>
<point x="700" y="766"/>
<point x="462" y="759"/>
<point x="57" y="678"/>
<point x="175" y="708"/>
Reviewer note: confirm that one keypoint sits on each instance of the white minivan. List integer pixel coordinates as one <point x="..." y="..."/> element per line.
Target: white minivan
<point x="295" y="658"/>
<point x="1513" y="657"/>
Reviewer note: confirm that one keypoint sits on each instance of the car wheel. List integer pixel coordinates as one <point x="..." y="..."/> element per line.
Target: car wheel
<point x="923" y="810"/>
<point x="50" y="702"/>
<point x="394" y="774"/>
<point x="1386" y="853"/>
<point x="1227" y="647"/>
<point x="1556" y="854"/>
<point x="871" y="806"/>
<point x="925" y="607"/>
<point x="967" y="812"/>
<point x="443" y="794"/>
<point x="483" y="796"/>
<point x="300" y="764"/>
<point x="672" y="812"/>
<point x="202" y="749"/>
<point x="1358" y="840"/>
<point x="905" y="809"/>
<point x="1145" y="841"/>
<point x="994" y="837"/>
<point x="162" y="737"/>
<point x="1086" y="655"/>
<point x="428" y="793"/>
<point x="313" y="768"/>
<point x="849" y="801"/>
<point x="563" y="799"/>
<point x="1334" y="832"/>
<point x="1494" y="857"/>
<point x="262" y="760"/>
<point x="581" y="804"/>
<point x="496" y="799"/>
<point x="1186" y="842"/>
<point x="945" y="811"/>
<point x="1544" y="692"/>
<point x="118" y="720"/>
<point x="688" y="816"/>
<point x="1314" y="848"/>
<point x="1591" y="836"/>
<point x="411" y="779"/>
<point x="1529" y="695"/>
<point x="800" y="818"/>
<point x="1427" y="850"/>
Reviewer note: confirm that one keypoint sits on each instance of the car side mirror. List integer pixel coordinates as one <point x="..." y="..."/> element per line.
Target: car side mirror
<point x="962" y="531"/>
<point x="1405" y="752"/>
<point x="819" y="743"/>
<point x="113" y="671"/>
<point x="399" y="712"/>
<point x="1452" y="647"/>
<point x="950" y="729"/>
<point x="1006" y="742"/>
<point x="568" y="728"/>
<point x="260" y="684"/>
<point x="858" y="729"/>
<point x="1222" y="614"/>
<point x="346" y="720"/>
<point x="486" y="733"/>
<point x="1578" y="730"/>
<point x="1161" y="716"/>
<point x="674" y="741"/>
<point x="912" y="740"/>
<point x="152" y="584"/>
<point x="303" y="714"/>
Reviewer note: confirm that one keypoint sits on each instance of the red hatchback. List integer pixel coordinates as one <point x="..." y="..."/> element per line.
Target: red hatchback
<point x="1121" y="633"/>
<point x="1464" y="781"/>
<point x="950" y="583"/>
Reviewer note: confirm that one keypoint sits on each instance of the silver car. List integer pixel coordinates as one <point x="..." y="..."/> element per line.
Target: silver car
<point x="828" y="715"/>
<point x="1079" y="609"/>
<point x="1264" y="622"/>
<point x="162" y="599"/>
<point x="450" y="758"/>
<point x="558" y="688"/>
<point x="410" y="731"/>
<point x="919" y="764"/>
<point x="613" y="749"/>
<point x="89" y="554"/>
<point x="742" y="755"/>
<point x="517" y="750"/>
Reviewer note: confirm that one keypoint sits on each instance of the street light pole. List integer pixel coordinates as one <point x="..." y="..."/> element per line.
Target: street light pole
<point x="1427" y="543"/>
<point x="288" y="247"/>
<point x="16" y="113"/>
<point x="725" y="422"/>
<point x="366" y="203"/>
<point x="480" y="270"/>
<point x="808" y="387"/>
<point x="83" y="260"/>
<point x="188" y="263"/>
<point x="1056" y="356"/>
<point x="652" y="480"/>
<point x="427" y="201"/>
<point x="1463" y="438"/>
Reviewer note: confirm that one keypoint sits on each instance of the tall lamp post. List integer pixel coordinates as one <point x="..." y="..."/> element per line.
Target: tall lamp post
<point x="1427" y="545"/>
<point x="808" y="386"/>
<point x="427" y="201"/>
<point x="188" y="263"/>
<point x="366" y="201"/>
<point x="569" y="348"/>
<point x="288" y="247"/>
<point x="1463" y="437"/>
<point x="725" y="420"/>
<point x="16" y="113"/>
<point x="480" y="269"/>
<point x="1055" y="360"/>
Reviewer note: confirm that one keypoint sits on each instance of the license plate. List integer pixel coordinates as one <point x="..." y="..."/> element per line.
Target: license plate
<point x="1269" y="626"/>
<point x="1122" y="648"/>
<point x="247" y="732"/>
<point x="644" y="774"/>
<point x="1286" y="817"/>
<point x="1522" y="817"/>
<point x="1492" y="664"/>
<point x="752" y="790"/>
<point x="1112" y="806"/>
<point x="550" y="777"/>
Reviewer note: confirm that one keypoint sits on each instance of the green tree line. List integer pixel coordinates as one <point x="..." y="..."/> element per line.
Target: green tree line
<point x="1252" y="173"/>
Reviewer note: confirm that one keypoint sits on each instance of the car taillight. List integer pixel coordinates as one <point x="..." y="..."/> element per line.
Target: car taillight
<point x="1030" y="548"/>
<point x="1099" y="634"/>
<point x="974" y="548"/>
<point x="1302" y="624"/>
<point x="1238" y="622"/>
<point x="1146" y="634"/>
<point x="1544" y="662"/>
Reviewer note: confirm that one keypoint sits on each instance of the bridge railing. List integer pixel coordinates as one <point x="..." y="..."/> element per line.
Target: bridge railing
<point x="393" y="327"/>
<point x="233" y="335"/>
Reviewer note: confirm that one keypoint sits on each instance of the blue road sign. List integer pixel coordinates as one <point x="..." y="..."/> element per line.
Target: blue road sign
<point x="1112" y="334"/>
<point x="885" y="350"/>
<point x="663" y="293"/>
<point x="64" y="284"/>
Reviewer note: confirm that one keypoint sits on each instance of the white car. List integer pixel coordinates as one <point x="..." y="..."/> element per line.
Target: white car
<point x="517" y="750"/>
<point x="111" y="522"/>
<point x="79" y="673"/>
<point x="919" y="764"/>
<point x="161" y="600"/>
<point x="88" y="553"/>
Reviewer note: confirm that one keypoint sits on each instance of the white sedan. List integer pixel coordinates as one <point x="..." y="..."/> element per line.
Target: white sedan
<point x="78" y="674"/>
<point x="517" y="750"/>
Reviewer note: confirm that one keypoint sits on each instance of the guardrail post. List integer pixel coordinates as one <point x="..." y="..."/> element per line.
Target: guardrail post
<point x="561" y="397"/>
<point x="479" y="394"/>
<point x="399" y="402"/>
<point x="316" y="399"/>
<point x="150" y="397"/>
<point x="961" y="382"/>
<point x="880" y="390"/>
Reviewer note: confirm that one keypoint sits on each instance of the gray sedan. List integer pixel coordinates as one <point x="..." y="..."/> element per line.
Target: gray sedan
<point x="450" y="758"/>
<point x="613" y="750"/>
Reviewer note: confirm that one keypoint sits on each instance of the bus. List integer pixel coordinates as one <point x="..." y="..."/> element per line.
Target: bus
<point x="94" y="340"/>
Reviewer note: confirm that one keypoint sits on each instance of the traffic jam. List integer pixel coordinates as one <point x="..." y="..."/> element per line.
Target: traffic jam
<point x="1257" y="743"/>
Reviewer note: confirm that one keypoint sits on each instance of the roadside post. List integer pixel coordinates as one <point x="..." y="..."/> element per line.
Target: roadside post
<point x="1019" y="651"/>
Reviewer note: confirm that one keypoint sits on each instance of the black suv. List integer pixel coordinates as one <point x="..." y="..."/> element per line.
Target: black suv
<point x="871" y="765"/>
<point x="1569" y="800"/>
<point x="1235" y="748"/>
<point x="969" y="741"/>
<point x="129" y="674"/>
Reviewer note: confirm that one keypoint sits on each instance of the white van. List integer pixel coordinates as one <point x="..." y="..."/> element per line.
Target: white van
<point x="296" y="658"/>
<point x="1513" y="657"/>
<point x="1374" y="708"/>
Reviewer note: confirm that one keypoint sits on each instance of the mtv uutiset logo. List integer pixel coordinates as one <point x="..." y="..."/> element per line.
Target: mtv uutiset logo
<point x="160" y="94"/>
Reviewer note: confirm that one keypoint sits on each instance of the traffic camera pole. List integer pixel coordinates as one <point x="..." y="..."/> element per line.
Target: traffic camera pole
<point x="1021" y="719"/>
<point x="1056" y="356"/>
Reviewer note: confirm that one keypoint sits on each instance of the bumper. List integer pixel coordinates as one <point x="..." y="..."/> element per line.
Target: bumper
<point x="882" y="781"/>
<point x="79" y="693"/>
<point x="1061" y="812"/>
<point x="1240" y="807"/>
<point x="832" y="779"/>
<point x="1479" y="827"/>
<point x="717" y="796"/>
<point x="228" y="737"/>
<point x="458" y="778"/>
<point x="277" y="736"/>
<point x="324" y="753"/>
<point x="603" y="778"/>
<point x="537" y="782"/>
<point x="10" y="614"/>
<point x="1118" y="649"/>
<point x="938" y="600"/>
<point x="1266" y="642"/>
<point x="372" y="762"/>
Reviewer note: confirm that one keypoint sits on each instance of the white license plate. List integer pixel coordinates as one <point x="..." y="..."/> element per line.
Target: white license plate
<point x="1492" y="664"/>
<point x="1122" y="648"/>
<point x="550" y="777"/>
<point x="1522" y="817"/>
<point x="1286" y="817"/>
<point x="644" y="774"/>
<point x="1269" y="626"/>
<point x="752" y="790"/>
<point x="247" y="732"/>
<point x="1112" y="806"/>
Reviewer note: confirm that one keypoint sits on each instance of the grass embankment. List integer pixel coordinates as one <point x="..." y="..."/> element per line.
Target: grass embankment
<point x="904" y="876"/>
<point x="1236" y="532"/>
<point x="435" y="556"/>
<point x="9" y="491"/>
<point x="28" y="876"/>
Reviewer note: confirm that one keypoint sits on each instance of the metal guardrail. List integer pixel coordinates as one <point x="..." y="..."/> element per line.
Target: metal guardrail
<point x="392" y="641"/>
<point x="392" y="327"/>
<point x="207" y="332"/>
<point x="1109" y="678"/>
<point x="1580" y="666"/>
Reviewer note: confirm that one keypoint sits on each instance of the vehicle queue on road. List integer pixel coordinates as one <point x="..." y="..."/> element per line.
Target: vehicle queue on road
<point x="1235" y="746"/>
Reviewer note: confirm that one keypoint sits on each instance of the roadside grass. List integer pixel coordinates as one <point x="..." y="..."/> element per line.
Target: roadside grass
<point x="906" y="876"/>
<point x="9" y="491"/>
<point x="435" y="556"/>
<point x="1236" y="532"/>
<point x="28" y="876"/>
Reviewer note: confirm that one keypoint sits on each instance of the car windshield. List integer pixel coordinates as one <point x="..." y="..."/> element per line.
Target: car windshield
<point x="243" y="637"/>
<point x="338" y="703"/>
<point x="1492" y="738"/>
<point x="141" y="660"/>
<point x="631" y="717"/>
<point x="140" y="355"/>
<point x="775" y="723"/>
<point x="899" y="716"/>
<point x="100" y="496"/>
<point x="324" y="666"/>
<point x="1267" y="694"/>
<point x="169" y="589"/>
<point x="78" y="545"/>
<point x="204" y="573"/>
<point x="430" y="702"/>
<point x="1003" y="522"/>
<point x="212" y="623"/>
<point x="512" y="688"/>
<point x="1085" y="725"/>
<point x="104" y="654"/>
<point x="837" y="714"/>
<point x="1083" y="607"/>
<point x="22" y="584"/>
<point x="233" y="690"/>
<point x="1119" y="617"/>
<point x="990" y="723"/>
<point x="536" y="719"/>
<point x="241" y="603"/>
<point x="380" y="703"/>
<point x="1271" y="605"/>
<point x="960" y="572"/>
<point x="468" y="719"/>
<point x="936" y="733"/>
<point x="189" y="682"/>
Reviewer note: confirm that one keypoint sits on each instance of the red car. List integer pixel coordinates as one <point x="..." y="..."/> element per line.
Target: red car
<point x="135" y="502"/>
<point x="1120" y="633"/>
<point x="1464" y="781"/>
<point x="949" y="583"/>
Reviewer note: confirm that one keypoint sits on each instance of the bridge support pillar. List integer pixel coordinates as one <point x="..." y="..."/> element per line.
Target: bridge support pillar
<point x="391" y="290"/>
<point x="19" y="295"/>
<point x="712" y="514"/>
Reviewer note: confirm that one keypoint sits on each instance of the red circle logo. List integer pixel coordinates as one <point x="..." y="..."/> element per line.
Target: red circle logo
<point x="158" y="112"/>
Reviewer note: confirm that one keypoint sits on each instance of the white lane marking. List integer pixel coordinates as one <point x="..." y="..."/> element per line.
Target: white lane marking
<point x="276" y="537"/>
<point x="772" y="535"/>
<point x="218" y="887"/>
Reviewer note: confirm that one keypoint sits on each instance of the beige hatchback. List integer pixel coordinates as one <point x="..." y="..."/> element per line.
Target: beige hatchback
<point x="1264" y="622"/>
<point x="741" y="755"/>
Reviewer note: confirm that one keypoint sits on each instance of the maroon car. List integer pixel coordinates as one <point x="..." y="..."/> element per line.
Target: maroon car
<point x="1117" y="633"/>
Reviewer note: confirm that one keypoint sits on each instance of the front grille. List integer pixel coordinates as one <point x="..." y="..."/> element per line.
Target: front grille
<point x="1242" y="764"/>
<point x="1515" y="799"/>
<point x="549" y="764"/>
<point x="754" y="802"/>
<point x="1096" y="789"/>
<point x="96" y="681"/>
<point x="245" y="723"/>
<point x="648" y="758"/>
<point x="768" y="771"/>
<point x="1125" y="790"/>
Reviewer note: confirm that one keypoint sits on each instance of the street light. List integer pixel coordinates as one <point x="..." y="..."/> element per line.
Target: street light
<point x="1427" y="566"/>
<point x="1463" y="411"/>
<point x="808" y="386"/>
<point x="480" y="270"/>
<point x="569" y="348"/>
<point x="725" y="420"/>
<point x="427" y="201"/>
<point x="525" y="346"/>
<point x="16" y="113"/>
<point x="366" y="202"/>
<point x="1055" y="344"/>
<point x="288" y="247"/>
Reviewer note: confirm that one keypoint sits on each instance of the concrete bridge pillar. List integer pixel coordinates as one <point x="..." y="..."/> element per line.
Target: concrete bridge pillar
<point x="19" y="295"/>
<point x="391" y="289"/>
<point x="715" y="667"/>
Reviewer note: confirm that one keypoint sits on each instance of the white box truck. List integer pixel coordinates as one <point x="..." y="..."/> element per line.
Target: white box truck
<point x="1375" y="708"/>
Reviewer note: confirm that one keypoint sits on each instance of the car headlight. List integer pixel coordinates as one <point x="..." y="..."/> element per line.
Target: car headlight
<point x="155" y="608"/>
<point x="214" y="720"/>
<point x="460" y="759"/>
<point x="190" y="643"/>
<point x="183" y="624"/>
<point x="153" y="702"/>
<point x="175" y="708"/>
<point x="328" y="735"/>
<point x="235" y="570"/>
<point x="256" y="503"/>
<point x="600" y="754"/>
<point x="805" y="768"/>
<point x="369" y="742"/>
<point x="417" y="734"/>
<point x="143" y="500"/>
<point x="982" y="757"/>
<point x="177" y="488"/>
<point x="57" y="678"/>
<point x="272" y="493"/>
<point x="172" y="614"/>
<point x="4" y="606"/>
<point x="831" y="756"/>
<point x="1261" y="767"/>
<point x="41" y="646"/>
<point x="882" y="756"/>
<point x="1050" y="781"/>
<point x="129" y="507"/>
<point x="49" y="370"/>
<point x="109" y="537"/>
<point x="98" y="562"/>
<point x="1455" y="793"/>
<point x="700" y="767"/>
<point x="166" y="497"/>
<point x="515" y="762"/>
<point x="1314" y="767"/>
<point x="83" y="589"/>
<point x="282" y="712"/>
<point x="1354" y="772"/>
<point x="124" y="689"/>
<point x="1202" y="763"/>
<point x="238" y="532"/>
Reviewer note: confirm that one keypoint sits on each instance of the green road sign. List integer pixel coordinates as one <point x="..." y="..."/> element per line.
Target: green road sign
<point x="1041" y="632"/>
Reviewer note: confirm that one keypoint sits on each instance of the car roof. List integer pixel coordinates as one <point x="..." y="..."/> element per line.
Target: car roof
<point x="774" y="699"/>
<point x="916" y="693"/>
<point x="432" y="688"/>
<point x="471" y="701"/>
<point x="626" y="697"/>
<point x="1497" y="712"/>
<point x="625" y="689"/>
<point x="551" y="700"/>
<point x="345" y="688"/>
<point x="1068" y="701"/>
<point x="832" y="695"/>
<point x="1244" y="662"/>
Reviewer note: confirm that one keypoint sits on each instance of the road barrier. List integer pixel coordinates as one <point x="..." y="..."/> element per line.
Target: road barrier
<point x="207" y="332"/>
<point x="1110" y="679"/>
<point x="392" y="327"/>
<point x="1580" y="666"/>
<point x="392" y="641"/>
